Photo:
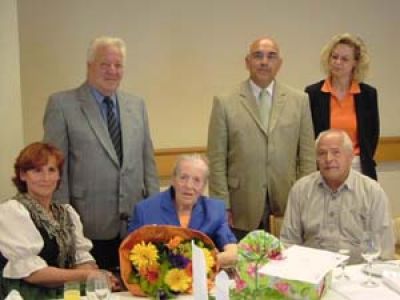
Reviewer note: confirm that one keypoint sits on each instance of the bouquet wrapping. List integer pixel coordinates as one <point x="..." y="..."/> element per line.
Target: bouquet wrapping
<point x="155" y="260"/>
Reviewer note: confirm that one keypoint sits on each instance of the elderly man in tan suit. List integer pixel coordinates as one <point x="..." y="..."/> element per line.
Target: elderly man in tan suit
<point x="260" y="142"/>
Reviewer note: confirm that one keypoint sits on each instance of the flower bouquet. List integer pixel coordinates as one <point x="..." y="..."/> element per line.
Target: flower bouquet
<point x="156" y="260"/>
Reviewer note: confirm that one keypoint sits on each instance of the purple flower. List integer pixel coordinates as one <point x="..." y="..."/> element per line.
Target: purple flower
<point x="178" y="261"/>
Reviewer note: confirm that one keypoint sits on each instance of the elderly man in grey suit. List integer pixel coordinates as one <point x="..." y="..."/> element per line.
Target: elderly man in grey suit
<point x="104" y="134"/>
<point x="260" y="141"/>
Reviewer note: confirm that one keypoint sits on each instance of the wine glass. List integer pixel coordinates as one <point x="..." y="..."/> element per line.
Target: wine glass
<point x="370" y="250"/>
<point x="98" y="286"/>
<point x="342" y="274"/>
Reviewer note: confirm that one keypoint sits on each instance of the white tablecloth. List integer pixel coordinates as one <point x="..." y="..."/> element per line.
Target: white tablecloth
<point x="340" y="289"/>
<point x="353" y="290"/>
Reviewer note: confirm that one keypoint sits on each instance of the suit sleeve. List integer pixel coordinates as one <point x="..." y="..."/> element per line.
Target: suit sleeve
<point x="223" y="234"/>
<point x="151" y="183"/>
<point x="56" y="133"/>
<point x="306" y="151"/>
<point x="218" y="152"/>
<point x="136" y="220"/>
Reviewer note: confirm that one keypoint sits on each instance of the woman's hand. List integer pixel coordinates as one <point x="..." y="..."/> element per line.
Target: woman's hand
<point x="116" y="285"/>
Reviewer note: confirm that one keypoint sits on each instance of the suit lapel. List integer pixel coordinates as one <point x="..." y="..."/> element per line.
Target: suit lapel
<point x="278" y="102"/>
<point x="250" y="104"/>
<point x="91" y="110"/>
<point x="169" y="215"/>
<point x="127" y="118"/>
<point x="197" y="217"/>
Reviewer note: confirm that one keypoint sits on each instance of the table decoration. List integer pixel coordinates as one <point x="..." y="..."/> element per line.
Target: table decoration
<point x="156" y="260"/>
<point x="255" y="250"/>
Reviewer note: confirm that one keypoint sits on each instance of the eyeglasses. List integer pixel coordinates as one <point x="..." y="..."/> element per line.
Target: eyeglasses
<point x="194" y="180"/>
<point x="107" y="66"/>
<point x="260" y="55"/>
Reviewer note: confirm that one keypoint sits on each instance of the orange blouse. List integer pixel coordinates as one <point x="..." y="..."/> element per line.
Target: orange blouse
<point x="343" y="113"/>
<point x="184" y="220"/>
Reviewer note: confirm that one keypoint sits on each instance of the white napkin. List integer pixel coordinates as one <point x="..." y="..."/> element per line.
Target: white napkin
<point x="14" y="295"/>
<point x="392" y="280"/>
<point x="222" y="284"/>
<point x="200" y="291"/>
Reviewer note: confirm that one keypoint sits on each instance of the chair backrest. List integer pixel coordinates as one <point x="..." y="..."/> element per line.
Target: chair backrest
<point x="396" y="231"/>
<point x="275" y="224"/>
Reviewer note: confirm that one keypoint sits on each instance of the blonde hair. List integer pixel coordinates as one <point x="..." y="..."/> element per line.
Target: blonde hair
<point x="102" y="42"/>
<point x="360" y="54"/>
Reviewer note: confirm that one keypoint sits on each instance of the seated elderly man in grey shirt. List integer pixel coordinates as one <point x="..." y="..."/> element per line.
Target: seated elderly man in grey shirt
<point x="332" y="208"/>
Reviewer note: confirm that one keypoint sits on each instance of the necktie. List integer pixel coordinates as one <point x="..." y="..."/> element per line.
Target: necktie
<point x="113" y="127"/>
<point x="264" y="106"/>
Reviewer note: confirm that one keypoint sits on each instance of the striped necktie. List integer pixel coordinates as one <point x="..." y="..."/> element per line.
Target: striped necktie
<point x="264" y="103"/>
<point x="113" y="128"/>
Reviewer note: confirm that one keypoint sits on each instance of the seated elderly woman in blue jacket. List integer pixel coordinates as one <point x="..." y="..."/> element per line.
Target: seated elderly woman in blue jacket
<point x="184" y="205"/>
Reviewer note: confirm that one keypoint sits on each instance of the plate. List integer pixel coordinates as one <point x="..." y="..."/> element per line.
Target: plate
<point x="378" y="268"/>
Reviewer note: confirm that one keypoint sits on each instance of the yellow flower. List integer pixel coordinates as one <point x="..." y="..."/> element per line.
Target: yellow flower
<point x="210" y="261"/>
<point x="143" y="255"/>
<point x="178" y="280"/>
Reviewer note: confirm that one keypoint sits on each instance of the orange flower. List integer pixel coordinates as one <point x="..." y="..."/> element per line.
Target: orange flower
<point x="174" y="242"/>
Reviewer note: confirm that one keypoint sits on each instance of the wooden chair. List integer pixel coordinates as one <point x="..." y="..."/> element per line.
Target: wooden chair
<point x="275" y="224"/>
<point x="396" y="230"/>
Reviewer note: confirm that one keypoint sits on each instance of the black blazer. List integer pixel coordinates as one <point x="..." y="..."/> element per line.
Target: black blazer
<point x="367" y="115"/>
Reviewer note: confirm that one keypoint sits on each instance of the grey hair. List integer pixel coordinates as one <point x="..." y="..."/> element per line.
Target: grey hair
<point x="102" y="42"/>
<point x="347" y="142"/>
<point x="360" y="54"/>
<point x="191" y="157"/>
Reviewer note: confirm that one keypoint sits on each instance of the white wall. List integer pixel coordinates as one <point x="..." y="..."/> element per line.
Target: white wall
<point x="182" y="52"/>
<point x="11" y="135"/>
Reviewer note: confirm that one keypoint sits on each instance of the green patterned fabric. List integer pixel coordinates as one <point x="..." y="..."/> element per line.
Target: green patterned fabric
<point x="256" y="250"/>
<point x="59" y="227"/>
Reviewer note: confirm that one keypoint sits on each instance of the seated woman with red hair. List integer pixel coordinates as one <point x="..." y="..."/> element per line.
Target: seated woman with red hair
<point x="42" y="244"/>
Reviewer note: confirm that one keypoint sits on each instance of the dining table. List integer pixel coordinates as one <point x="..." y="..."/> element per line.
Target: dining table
<point x="351" y="288"/>
<point x="344" y="288"/>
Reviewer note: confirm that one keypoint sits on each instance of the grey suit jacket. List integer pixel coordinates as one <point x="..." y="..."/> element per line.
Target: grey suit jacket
<point x="102" y="191"/>
<point x="246" y="160"/>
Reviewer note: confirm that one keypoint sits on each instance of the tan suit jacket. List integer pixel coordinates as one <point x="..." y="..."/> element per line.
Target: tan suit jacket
<point x="246" y="160"/>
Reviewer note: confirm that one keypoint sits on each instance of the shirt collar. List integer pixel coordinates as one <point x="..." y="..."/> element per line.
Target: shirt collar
<point x="256" y="89"/>
<point x="348" y="184"/>
<point x="99" y="97"/>
<point x="328" y="88"/>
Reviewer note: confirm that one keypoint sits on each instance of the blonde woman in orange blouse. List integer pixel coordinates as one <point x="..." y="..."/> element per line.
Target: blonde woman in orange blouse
<point x="344" y="102"/>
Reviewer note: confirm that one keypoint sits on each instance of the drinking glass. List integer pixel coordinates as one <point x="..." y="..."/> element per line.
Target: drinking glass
<point x="98" y="286"/>
<point x="72" y="290"/>
<point x="370" y="250"/>
<point x="343" y="264"/>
